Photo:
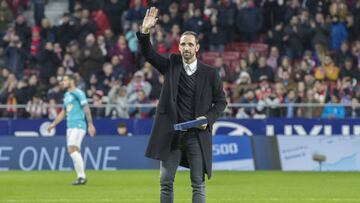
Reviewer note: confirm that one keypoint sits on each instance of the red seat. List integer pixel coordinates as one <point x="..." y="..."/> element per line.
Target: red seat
<point x="231" y="55"/>
<point x="209" y="55"/>
<point x="239" y="46"/>
<point x="259" y="47"/>
<point x="210" y="62"/>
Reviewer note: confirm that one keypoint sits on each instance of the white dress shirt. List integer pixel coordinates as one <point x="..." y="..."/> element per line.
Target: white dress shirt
<point x="190" y="68"/>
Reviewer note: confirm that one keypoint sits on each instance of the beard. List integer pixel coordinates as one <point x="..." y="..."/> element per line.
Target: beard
<point x="187" y="55"/>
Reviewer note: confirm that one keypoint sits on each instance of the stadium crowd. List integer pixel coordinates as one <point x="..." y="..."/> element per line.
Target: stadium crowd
<point x="268" y="53"/>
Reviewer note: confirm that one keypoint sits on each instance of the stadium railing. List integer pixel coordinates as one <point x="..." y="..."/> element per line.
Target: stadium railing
<point x="264" y="108"/>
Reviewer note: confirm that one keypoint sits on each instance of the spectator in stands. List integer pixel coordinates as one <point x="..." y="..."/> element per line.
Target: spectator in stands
<point x="91" y="58"/>
<point x="69" y="64"/>
<point x="248" y="98"/>
<point x="240" y="67"/>
<point x="131" y="38"/>
<point x="15" y="56"/>
<point x="195" y="22"/>
<point x="138" y="83"/>
<point x="86" y="27"/>
<point x="55" y="92"/>
<point x="244" y="81"/>
<point x="118" y="69"/>
<point x="215" y="34"/>
<point x="349" y="70"/>
<point x="22" y="30"/>
<point x="66" y="31"/>
<point x="301" y="91"/>
<point x="93" y="85"/>
<point x="328" y="70"/>
<point x="47" y="32"/>
<point x="249" y="21"/>
<point x="273" y="58"/>
<point x="3" y="76"/>
<point x="320" y="29"/>
<point x="121" y="50"/>
<point x="114" y="10"/>
<point x="290" y="100"/>
<point x="5" y="17"/>
<point x="106" y="77"/>
<point x="262" y="70"/>
<point x="140" y="112"/>
<point x="354" y="110"/>
<point x="160" y="43"/>
<point x="117" y="107"/>
<point x="22" y="92"/>
<point x="173" y="39"/>
<point x="101" y="21"/>
<point x="165" y="22"/>
<point x="98" y="109"/>
<point x="11" y="110"/>
<point x="343" y="53"/>
<point x="52" y="109"/>
<point x="8" y="87"/>
<point x="48" y="62"/>
<point x="156" y="87"/>
<point x="102" y="44"/>
<point x="137" y="13"/>
<point x="274" y="37"/>
<point x="331" y="111"/>
<point x="223" y="69"/>
<point x="285" y="66"/>
<point x="309" y="111"/>
<point x="175" y="16"/>
<point x="121" y="129"/>
<point x="110" y="38"/>
<point x="338" y="33"/>
<point x="36" y="107"/>
<point x="39" y="10"/>
<point x="293" y="39"/>
<point x="150" y="74"/>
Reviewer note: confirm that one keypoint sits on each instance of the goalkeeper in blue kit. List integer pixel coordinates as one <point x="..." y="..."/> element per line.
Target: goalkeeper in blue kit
<point x="75" y="109"/>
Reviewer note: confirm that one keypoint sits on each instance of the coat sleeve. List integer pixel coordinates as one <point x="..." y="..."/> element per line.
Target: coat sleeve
<point x="218" y="100"/>
<point x="159" y="62"/>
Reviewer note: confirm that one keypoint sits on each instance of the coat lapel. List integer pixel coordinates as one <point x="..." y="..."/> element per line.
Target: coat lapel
<point x="176" y="77"/>
<point x="200" y="82"/>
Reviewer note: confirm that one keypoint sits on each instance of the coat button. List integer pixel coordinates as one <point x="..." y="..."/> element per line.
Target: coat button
<point x="174" y="100"/>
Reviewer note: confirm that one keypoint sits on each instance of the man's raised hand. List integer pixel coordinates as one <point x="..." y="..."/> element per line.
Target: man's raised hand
<point x="150" y="20"/>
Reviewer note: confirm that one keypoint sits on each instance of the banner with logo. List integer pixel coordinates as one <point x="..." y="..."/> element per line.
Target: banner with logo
<point x="237" y="127"/>
<point x="232" y="153"/>
<point x="99" y="153"/>
<point x="336" y="153"/>
<point x="109" y="153"/>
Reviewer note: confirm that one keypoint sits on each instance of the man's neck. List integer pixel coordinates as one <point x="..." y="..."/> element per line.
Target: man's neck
<point x="70" y="89"/>
<point x="190" y="61"/>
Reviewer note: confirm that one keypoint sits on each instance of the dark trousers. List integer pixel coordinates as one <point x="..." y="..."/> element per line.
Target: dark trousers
<point x="188" y="145"/>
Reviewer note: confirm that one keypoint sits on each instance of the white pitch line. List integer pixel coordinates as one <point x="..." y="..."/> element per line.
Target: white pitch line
<point x="177" y="199"/>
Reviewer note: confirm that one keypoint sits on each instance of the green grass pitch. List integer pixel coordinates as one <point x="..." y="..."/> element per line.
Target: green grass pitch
<point x="142" y="186"/>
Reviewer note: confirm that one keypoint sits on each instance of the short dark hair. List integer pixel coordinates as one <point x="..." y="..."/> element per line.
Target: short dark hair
<point x="71" y="77"/>
<point x="193" y="34"/>
<point x="121" y="125"/>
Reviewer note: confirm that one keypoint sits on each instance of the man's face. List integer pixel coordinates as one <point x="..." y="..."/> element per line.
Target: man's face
<point x="188" y="47"/>
<point x="66" y="82"/>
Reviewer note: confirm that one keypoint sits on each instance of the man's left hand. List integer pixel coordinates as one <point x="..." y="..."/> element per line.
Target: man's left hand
<point x="91" y="130"/>
<point x="202" y="127"/>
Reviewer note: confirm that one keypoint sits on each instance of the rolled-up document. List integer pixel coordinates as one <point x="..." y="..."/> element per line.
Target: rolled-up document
<point x="190" y="124"/>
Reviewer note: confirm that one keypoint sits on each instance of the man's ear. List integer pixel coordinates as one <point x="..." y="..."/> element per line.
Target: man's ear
<point x="197" y="47"/>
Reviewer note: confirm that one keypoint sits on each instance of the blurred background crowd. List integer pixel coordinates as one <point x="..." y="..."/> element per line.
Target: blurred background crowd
<point x="277" y="58"/>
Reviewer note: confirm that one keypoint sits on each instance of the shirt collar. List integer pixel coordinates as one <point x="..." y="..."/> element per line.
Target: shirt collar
<point x="192" y="65"/>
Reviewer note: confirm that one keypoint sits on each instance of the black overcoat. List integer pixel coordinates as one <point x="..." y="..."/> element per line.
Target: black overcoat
<point x="209" y="102"/>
